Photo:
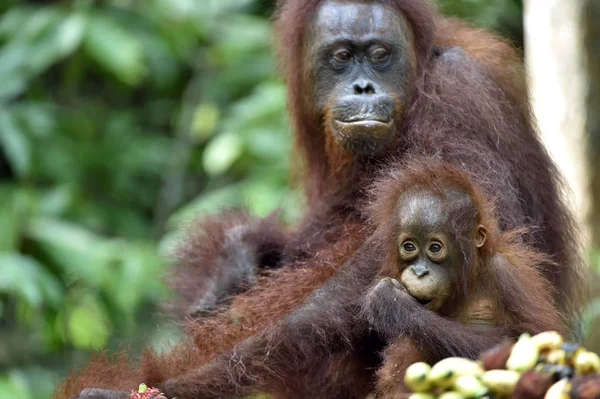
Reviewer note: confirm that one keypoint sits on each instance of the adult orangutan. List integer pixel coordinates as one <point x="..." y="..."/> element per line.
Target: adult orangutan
<point x="370" y="82"/>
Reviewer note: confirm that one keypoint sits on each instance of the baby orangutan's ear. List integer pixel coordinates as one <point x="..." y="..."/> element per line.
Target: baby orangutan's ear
<point x="481" y="236"/>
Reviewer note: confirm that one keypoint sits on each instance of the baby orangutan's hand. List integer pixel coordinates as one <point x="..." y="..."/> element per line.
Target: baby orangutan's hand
<point x="384" y="302"/>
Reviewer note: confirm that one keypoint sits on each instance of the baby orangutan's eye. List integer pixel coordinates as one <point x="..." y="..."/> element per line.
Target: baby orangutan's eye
<point x="409" y="246"/>
<point x="435" y="247"/>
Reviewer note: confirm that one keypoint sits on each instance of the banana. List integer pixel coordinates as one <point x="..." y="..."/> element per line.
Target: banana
<point x="415" y="377"/>
<point x="548" y="340"/>
<point x="586" y="362"/>
<point x="469" y="386"/>
<point x="501" y="382"/>
<point x="560" y="390"/>
<point x="556" y="356"/>
<point x="445" y="372"/>
<point x="421" y="395"/>
<point x="524" y="356"/>
<point x="451" y="395"/>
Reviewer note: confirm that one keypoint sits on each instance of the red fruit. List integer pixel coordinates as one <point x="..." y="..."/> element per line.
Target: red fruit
<point x="496" y="357"/>
<point x="532" y="385"/>
<point x="586" y="387"/>
<point x="148" y="393"/>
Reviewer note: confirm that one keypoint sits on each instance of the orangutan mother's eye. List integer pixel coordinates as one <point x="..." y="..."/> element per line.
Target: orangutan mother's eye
<point x="342" y="55"/>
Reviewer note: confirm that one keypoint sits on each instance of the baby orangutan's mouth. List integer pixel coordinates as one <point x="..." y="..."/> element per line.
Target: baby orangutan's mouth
<point x="424" y="301"/>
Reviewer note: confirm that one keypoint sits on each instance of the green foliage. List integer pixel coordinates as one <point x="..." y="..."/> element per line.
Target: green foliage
<point x="502" y="16"/>
<point x="120" y="121"/>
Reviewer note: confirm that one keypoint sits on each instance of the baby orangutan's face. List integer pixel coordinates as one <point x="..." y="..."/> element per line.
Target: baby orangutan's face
<point x="429" y="274"/>
<point x="429" y="256"/>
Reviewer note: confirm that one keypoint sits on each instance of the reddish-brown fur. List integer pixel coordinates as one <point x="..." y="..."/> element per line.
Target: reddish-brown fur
<point x="206" y="239"/>
<point x="467" y="120"/>
<point x="468" y="108"/>
<point x="504" y="285"/>
<point x="328" y="351"/>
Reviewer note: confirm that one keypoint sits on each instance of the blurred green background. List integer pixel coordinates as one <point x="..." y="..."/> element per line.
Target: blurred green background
<point x="119" y="121"/>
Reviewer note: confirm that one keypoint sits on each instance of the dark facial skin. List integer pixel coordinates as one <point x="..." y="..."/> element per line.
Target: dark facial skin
<point x="361" y="60"/>
<point x="429" y="257"/>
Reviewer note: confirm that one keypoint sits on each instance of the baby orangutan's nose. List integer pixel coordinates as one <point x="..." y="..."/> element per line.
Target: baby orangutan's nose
<point x="419" y="270"/>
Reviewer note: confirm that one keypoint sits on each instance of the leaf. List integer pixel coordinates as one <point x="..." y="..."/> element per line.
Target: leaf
<point x="26" y="278"/>
<point x="17" y="205"/>
<point x="221" y="153"/>
<point x="39" y="119"/>
<point x="224" y="6"/>
<point x="35" y="22"/>
<point x="60" y="39"/>
<point x="590" y="315"/>
<point x="13" y="20"/>
<point x="57" y="200"/>
<point x="36" y="382"/>
<point x="13" y="58"/>
<point x="205" y="120"/>
<point x="15" y="86"/>
<point x="182" y="9"/>
<point x="135" y="277"/>
<point x="242" y="34"/>
<point x="115" y="49"/>
<point x="161" y="59"/>
<point x="15" y="144"/>
<point x="268" y="143"/>
<point x="12" y="386"/>
<point x="264" y="106"/>
<point x="69" y="34"/>
<point x="88" y="325"/>
<point x="264" y="196"/>
<point x="46" y="38"/>
<point x="75" y="249"/>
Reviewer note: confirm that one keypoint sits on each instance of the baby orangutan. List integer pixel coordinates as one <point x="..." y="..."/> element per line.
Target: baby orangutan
<point x="445" y="252"/>
<point x="430" y="258"/>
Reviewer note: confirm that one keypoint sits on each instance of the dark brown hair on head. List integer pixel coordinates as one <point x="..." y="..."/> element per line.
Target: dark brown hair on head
<point x="292" y="20"/>
<point x="428" y="174"/>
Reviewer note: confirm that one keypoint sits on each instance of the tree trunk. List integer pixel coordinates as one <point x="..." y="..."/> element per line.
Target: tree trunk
<point x="559" y="79"/>
<point x="591" y="42"/>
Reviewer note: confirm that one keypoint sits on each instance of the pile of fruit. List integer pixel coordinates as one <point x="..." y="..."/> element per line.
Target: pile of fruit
<point x="538" y="367"/>
<point x="144" y="392"/>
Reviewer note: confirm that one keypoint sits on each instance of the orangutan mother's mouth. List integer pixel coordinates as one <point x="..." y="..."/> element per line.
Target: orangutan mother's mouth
<point x="366" y="124"/>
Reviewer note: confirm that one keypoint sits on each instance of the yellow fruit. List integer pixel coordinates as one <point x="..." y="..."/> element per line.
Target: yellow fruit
<point x="501" y="382"/>
<point x="560" y="390"/>
<point x="586" y="362"/>
<point x="524" y="356"/>
<point x="421" y="395"/>
<point x="470" y="386"/>
<point x="548" y="340"/>
<point x="445" y="372"/>
<point x="451" y="395"/>
<point x="557" y="356"/>
<point x="415" y="377"/>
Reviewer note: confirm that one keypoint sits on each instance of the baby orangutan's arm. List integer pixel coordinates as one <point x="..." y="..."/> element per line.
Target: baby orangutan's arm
<point x="394" y="313"/>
